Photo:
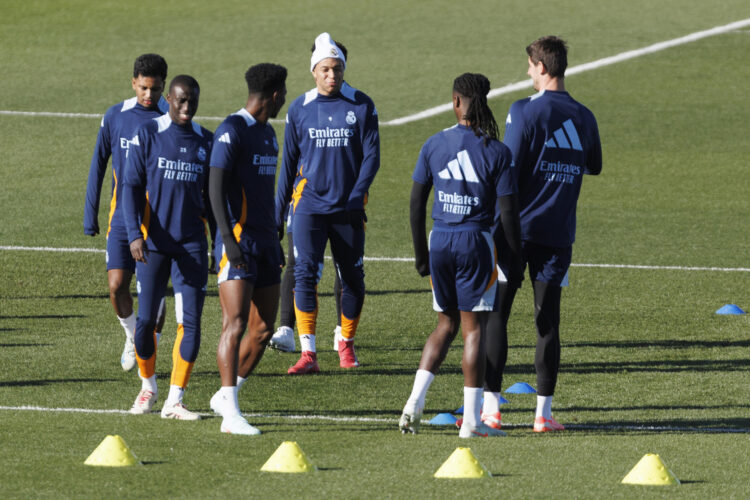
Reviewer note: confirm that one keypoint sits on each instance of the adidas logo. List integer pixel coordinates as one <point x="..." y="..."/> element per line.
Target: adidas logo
<point x="566" y="137"/>
<point x="225" y="138"/>
<point x="460" y="169"/>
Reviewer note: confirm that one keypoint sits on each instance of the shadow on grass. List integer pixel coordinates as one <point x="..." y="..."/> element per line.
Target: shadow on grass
<point x="676" y="365"/>
<point x="43" y="316"/>
<point x="39" y="383"/>
<point x="26" y="345"/>
<point x="667" y="344"/>
<point x="731" y="425"/>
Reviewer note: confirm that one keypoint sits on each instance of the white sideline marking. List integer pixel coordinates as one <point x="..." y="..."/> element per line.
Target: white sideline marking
<point x="612" y="427"/>
<point x="411" y="259"/>
<point x="512" y="87"/>
<point x="53" y="114"/>
<point x="600" y="63"/>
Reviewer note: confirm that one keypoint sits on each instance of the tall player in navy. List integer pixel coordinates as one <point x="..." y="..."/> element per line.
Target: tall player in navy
<point x="331" y="156"/>
<point x="241" y="187"/>
<point x="555" y="141"/>
<point x="163" y="192"/>
<point x="117" y="129"/>
<point x="470" y="171"/>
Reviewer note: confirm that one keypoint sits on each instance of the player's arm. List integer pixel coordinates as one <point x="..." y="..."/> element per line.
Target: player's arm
<point x="217" y="192"/>
<point x="515" y="134"/>
<point x="102" y="152"/>
<point x="508" y="235"/>
<point x="134" y="195"/>
<point x="288" y="172"/>
<point x="594" y="150"/>
<point x="370" y="163"/>
<point x="417" y="218"/>
<point x="510" y="231"/>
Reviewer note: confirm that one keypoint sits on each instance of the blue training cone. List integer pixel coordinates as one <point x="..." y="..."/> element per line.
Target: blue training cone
<point x="459" y="411"/>
<point x="520" y="388"/>
<point x="443" y="419"/>
<point x="730" y="309"/>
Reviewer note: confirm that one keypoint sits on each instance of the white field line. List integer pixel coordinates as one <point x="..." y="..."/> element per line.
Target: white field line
<point x="411" y="259"/>
<point x="599" y="63"/>
<point x="603" y="427"/>
<point x="512" y="87"/>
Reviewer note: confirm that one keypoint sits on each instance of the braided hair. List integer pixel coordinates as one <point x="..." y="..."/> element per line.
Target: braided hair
<point x="475" y="87"/>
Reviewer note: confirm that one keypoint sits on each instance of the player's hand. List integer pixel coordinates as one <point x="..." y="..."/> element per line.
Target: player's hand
<point x="283" y="257"/>
<point x="93" y="231"/>
<point x="422" y="263"/>
<point x="515" y="274"/>
<point x="357" y="218"/>
<point x="234" y="254"/>
<point x="138" y="250"/>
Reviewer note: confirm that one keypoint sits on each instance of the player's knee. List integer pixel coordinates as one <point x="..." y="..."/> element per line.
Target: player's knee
<point x="234" y="326"/>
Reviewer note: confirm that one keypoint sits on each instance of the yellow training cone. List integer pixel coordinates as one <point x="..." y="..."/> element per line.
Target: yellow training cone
<point x="650" y="471"/>
<point x="112" y="452"/>
<point x="462" y="464"/>
<point x="288" y="457"/>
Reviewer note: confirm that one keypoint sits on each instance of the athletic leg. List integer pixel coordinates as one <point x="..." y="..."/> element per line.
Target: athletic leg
<point x="433" y="354"/>
<point x="547" y="319"/>
<point x="262" y="316"/>
<point x="310" y="237"/>
<point x="235" y="297"/>
<point x="283" y="339"/>
<point x="152" y="282"/>
<point x="189" y="276"/>
<point x="496" y="340"/>
<point x="348" y="247"/>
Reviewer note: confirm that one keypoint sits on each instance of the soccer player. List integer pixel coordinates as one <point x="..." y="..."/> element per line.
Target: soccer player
<point x="117" y="129"/>
<point x="470" y="171"/>
<point x="163" y="193"/>
<point x="331" y="156"/>
<point x="241" y="188"/>
<point x="283" y="339"/>
<point x="554" y="141"/>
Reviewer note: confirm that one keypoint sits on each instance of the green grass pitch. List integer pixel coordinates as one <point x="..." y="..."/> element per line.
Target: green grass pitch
<point x="647" y="367"/>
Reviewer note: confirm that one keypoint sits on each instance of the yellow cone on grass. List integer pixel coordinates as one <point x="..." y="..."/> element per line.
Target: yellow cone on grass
<point x="112" y="452"/>
<point x="650" y="471"/>
<point x="462" y="464"/>
<point x="288" y="457"/>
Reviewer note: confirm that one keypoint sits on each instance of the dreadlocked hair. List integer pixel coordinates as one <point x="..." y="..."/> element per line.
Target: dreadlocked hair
<point x="475" y="87"/>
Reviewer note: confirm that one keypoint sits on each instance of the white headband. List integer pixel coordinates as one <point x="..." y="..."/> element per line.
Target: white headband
<point x="325" y="48"/>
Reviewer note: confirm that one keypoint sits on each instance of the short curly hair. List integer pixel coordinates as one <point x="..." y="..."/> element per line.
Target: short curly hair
<point x="152" y="65"/>
<point x="265" y="78"/>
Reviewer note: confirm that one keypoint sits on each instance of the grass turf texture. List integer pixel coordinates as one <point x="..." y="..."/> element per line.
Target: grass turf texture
<point x="640" y="348"/>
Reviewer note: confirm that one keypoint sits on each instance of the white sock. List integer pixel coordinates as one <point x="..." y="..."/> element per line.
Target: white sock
<point x="230" y="404"/>
<point x="544" y="406"/>
<point x="240" y="382"/>
<point x="491" y="403"/>
<point x="175" y="395"/>
<point x="422" y="381"/>
<point x="307" y="342"/>
<point x="149" y="383"/>
<point x="158" y="338"/>
<point x="472" y="405"/>
<point x="128" y="324"/>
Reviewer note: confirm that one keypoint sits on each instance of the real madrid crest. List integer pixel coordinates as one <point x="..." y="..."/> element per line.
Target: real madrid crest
<point x="350" y="118"/>
<point x="201" y="154"/>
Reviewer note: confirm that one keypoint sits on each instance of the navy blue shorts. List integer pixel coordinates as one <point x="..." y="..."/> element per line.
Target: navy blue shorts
<point x="546" y="264"/>
<point x="463" y="271"/>
<point x="118" y="251"/>
<point x="263" y="257"/>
